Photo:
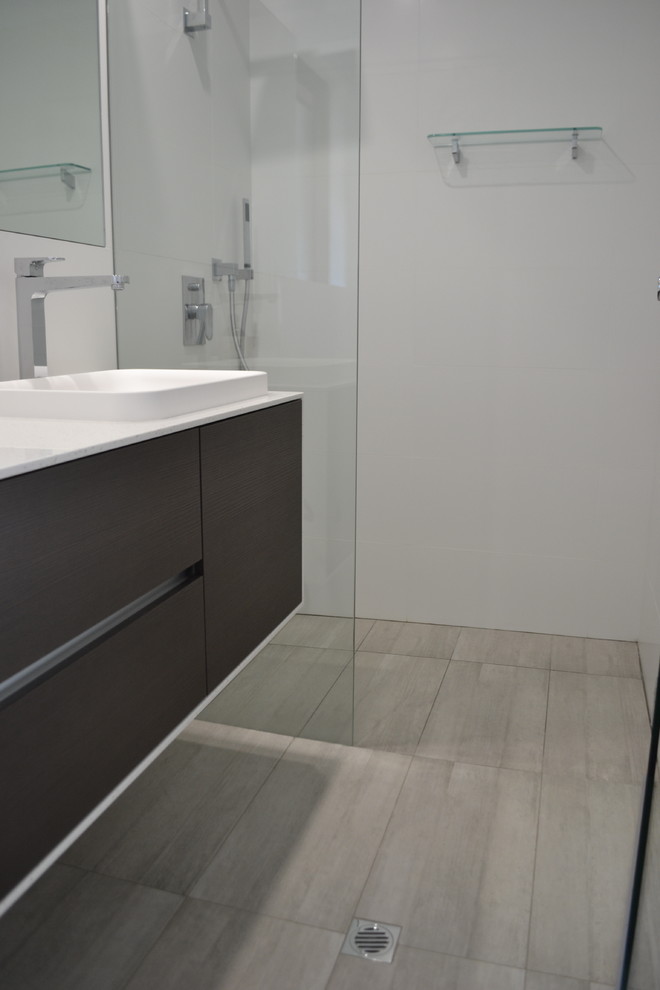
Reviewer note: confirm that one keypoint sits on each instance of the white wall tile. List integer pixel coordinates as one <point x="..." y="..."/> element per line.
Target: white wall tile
<point x="450" y="29"/>
<point x="477" y="504"/>
<point x="389" y="234"/>
<point x="390" y="135"/>
<point x="328" y="569"/>
<point x="389" y="31"/>
<point x="161" y="136"/>
<point x="508" y="413"/>
<point x="568" y="596"/>
<point x="181" y="166"/>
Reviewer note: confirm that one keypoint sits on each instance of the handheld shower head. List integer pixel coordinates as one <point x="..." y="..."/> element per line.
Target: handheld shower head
<point x="247" y="235"/>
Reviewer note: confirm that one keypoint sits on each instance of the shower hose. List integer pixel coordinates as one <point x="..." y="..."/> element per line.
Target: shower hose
<point x="238" y="332"/>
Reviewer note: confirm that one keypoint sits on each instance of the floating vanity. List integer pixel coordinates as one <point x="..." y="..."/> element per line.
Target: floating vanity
<point x="143" y="562"/>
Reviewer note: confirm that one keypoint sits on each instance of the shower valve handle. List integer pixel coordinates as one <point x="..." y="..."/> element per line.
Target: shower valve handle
<point x="204" y="313"/>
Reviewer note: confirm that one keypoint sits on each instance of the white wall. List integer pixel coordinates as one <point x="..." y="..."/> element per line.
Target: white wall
<point x="80" y="326"/>
<point x="180" y="124"/>
<point x="509" y="337"/>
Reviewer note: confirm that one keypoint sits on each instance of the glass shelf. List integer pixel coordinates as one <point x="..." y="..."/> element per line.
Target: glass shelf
<point x="515" y="137"/>
<point x="65" y="171"/>
<point x="457" y="139"/>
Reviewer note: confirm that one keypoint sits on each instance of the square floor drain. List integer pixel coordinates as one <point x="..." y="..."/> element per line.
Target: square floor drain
<point x="371" y="940"/>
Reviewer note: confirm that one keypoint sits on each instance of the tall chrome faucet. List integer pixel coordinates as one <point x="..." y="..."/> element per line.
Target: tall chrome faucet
<point x="32" y="287"/>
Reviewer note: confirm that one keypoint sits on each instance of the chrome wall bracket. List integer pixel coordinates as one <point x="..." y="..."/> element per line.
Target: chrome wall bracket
<point x="574" y="144"/>
<point x="221" y="268"/>
<point x="455" y="150"/>
<point x="197" y="20"/>
<point x="197" y="314"/>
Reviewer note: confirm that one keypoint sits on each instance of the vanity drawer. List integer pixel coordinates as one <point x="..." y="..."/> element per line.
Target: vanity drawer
<point x="66" y="743"/>
<point x="252" y="510"/>
<point x="83" y="539"/>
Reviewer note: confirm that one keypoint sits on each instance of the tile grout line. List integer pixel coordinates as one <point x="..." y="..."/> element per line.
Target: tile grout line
<point x="265" y="914"/>
<point x="538" y="827"/>
<point x="242" y="814"/>
<point x="382" y="839"/>
<point x="334" y="683"/>
<point x="435" y="698"/>
<point x="186" y="892"/>
<point x="155" y="942"/>
<point x="23" y="941"/>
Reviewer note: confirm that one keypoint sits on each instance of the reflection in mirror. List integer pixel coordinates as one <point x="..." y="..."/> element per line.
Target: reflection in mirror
<point x="51" y="181"/>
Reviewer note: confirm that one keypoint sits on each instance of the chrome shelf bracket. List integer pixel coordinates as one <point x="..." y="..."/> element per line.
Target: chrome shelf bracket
<point x="455" y="150"/>
<point x="574" y="144"/>
<point x="67" y="177"/>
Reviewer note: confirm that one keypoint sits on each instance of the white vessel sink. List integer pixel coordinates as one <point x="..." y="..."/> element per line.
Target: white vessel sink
<point x="128" y="394"/>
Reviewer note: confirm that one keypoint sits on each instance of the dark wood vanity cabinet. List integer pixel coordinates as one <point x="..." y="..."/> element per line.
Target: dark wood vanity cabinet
<point x="252" y="541"/>
<point x="70" y="740"/>
<point x="83" y="539"/>
<point x="174" y="557"/>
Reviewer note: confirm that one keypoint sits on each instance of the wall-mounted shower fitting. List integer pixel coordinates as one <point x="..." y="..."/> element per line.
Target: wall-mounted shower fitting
<point x="197" y="20"/>
<point x="197" y="314"/>
<point x="247" y="235"/>
<point x="221" y="268"/>
<point x="229" y="268"/>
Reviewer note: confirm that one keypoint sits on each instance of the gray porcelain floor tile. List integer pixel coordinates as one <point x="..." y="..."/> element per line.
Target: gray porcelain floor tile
<point x="415" y="639"/>
<point x="597" y="727"/>
<point x="209" y="947"/>
<point x="279" y="690"/>
<point x="543" y="981"/>
<point x="100" y="932"/>
<point x="303" y="849"/>
<point x="587" y="835"/>
<point x="332" y="721"/>
<point x="393" y="698"/>
<point x="416" y="969"/>
<point x="455" y="866"/>
<point x="595" y="656"/>
<point x="96" y="840"/>
<point x="488" y="714"/>
<point x="328" y="632"/>
<point x="517" y="649"/>
<point x="99" y="837"/>
<point x="164" y="837"/>
<point x="41" y="900"/>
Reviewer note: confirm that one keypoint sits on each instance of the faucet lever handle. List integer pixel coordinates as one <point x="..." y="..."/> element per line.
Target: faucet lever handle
<point x="31" y="267"/>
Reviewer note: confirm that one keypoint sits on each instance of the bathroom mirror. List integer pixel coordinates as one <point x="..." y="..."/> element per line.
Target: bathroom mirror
<point x="51" y="181"/>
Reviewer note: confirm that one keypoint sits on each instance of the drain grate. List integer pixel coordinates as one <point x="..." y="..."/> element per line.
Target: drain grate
<point x="371" y="940"/>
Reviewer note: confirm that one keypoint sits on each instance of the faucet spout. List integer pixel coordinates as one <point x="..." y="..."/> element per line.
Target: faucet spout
<point x="32" y="287"/>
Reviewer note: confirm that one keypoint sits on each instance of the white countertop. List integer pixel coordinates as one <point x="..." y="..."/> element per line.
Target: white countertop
<point x="29" y="444"/>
